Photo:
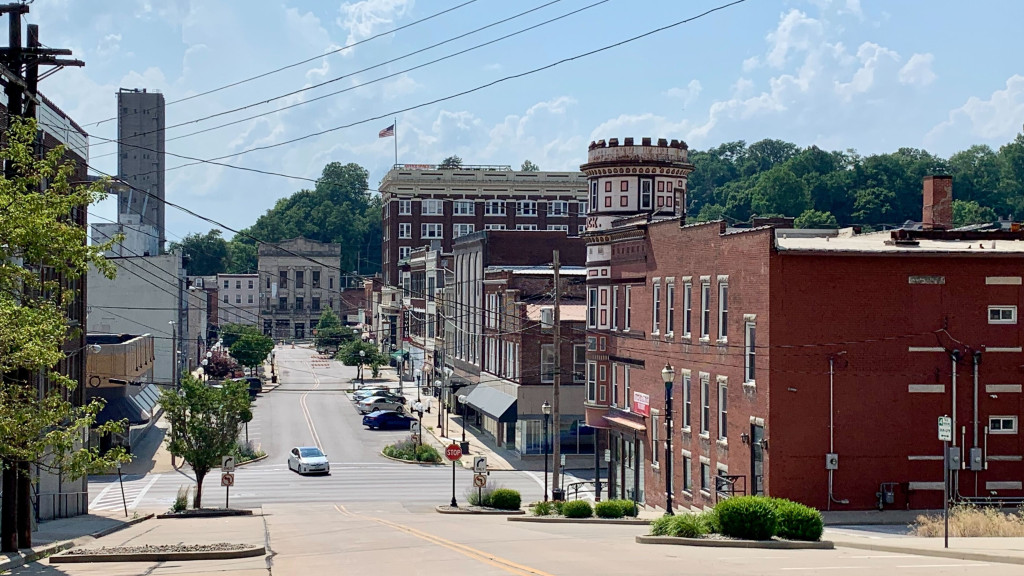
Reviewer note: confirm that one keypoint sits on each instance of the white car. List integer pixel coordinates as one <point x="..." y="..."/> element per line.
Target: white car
<point x="308" y="460"/>
<point x="374" y="403"/>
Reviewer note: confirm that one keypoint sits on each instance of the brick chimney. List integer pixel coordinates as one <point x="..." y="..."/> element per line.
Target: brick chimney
<point x="938" y="203"/>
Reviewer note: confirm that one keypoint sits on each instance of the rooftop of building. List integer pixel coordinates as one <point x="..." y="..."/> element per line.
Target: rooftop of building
<point x="539" y="270"/>
<point x="567" y="312"/>
<point x="901" y="241"/>
<point x="103" y="338"/>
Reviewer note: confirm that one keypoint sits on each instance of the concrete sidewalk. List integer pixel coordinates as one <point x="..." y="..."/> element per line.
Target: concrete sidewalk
<point x="55" y="536"/>
<point x="1001" y="550"/>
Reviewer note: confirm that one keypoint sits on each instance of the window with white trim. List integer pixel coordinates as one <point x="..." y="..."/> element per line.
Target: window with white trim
<point x="723" y="310"/>
<point x="705" y="404"/>
<point x="1002" y="424"/>
<point x="463" y="208"/>
<point x="646" y="192"/>
<point x="705" y="477"/>
<point x="655" y="435"/>
<point x="405" y="230"/>
<point x="432" y="207"/>
<point x="547" y="363"/>
<point x="581" y="229"/>
<point x="582" y="207"/>
<point x="592" y="308"/>
<point x="615" y="385"/>
<point x="558" y="208"/>
<point x="1002" y="314"/>
<point x="627" y="400"/>
<point x="462" y="229"/>
<point x="627" y="316"/>
<point x="670" y="306"/>
<point x="591" y="382"/>
<point x="705" y="309"/>
<point x="615" y="307"/>
<point x="593" y="196"/>
<point x="403" y="252"/>
<point x="723" y="409"/>
<point x="579" y="361"/>
<point x="687" y="309"/>
<point x="494" y="208"/>
<point x="749" y="351"/>
<point x="405" y="207"/>
<point x="687" y="400"/>
<point x="687" y="472"/>
<point x="559" y="228"/>
<point x="494" y="226"/>
<point x="431" y="230"/>
<point x="656" y="307"/>
<point x="526" y="208"/>
<point x="526" y="226"/>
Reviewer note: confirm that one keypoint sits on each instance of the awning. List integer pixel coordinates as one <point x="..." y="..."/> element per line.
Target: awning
<point x="493" y="402"/>
<point x="400" y="355"/>
<point x="122" y="408"/>
<point x="625" y="423"/>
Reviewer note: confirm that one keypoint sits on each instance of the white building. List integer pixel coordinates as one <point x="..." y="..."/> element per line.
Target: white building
<point x="239" y="299"/>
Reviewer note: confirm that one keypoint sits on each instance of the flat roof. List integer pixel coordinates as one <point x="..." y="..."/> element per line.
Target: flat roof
<point x="539" y="270"/>
<point x="845" y="241"/>
<point x="568" y="312"/>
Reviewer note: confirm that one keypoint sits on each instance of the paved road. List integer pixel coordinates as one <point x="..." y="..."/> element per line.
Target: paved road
<point x="311" y="408"/>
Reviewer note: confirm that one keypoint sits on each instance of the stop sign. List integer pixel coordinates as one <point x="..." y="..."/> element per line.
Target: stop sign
<point x="453" y="452"/>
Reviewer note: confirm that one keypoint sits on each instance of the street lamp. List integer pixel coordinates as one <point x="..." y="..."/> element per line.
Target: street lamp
<point x="462" y="400"/>
<point x="362" y="358"/>
<point x="546" y="410"/>
<point x="418" y="408"/>
<point x="206" y="376"/>
<point x="668" y="374"/>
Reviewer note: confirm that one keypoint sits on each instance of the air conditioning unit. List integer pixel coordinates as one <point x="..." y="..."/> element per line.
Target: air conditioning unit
<point x="547" y="317"/>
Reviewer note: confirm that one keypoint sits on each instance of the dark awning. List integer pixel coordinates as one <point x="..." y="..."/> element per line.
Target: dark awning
<point x="493" y="402"/>
<point x="122" y="408"/>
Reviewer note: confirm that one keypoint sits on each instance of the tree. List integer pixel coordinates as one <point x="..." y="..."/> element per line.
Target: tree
<point x="230" y="333"/>
<point x="528" y="167"/>
<point x="208" y="253"/>
<point x="816" y="219"/>
<point x="220" y="365"/>
<point x="451" y="162"/>
<point x="329" y="331"/>
<point x="711" y="212"/>
<point x="44" y="429"/>
<point x="242" y="258"/>
<point x="967" y="212"/>
<point x="205" y="423"/>
<point x="349" y="355"/>
<point x="779" y="191"/>
<point x="251" y="348"/>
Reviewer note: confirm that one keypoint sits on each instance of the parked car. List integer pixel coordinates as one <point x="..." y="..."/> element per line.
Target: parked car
<point x="374" y="403"/>
<point x="384" y="394"/>
<point x="255" y="385"/>
<point x="383" y="419"/>
<point x="308" y="460"/>
<point x="367" y="392"/>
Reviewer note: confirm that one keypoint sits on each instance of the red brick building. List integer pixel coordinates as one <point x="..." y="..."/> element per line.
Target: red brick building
<point x="809" y="364"/>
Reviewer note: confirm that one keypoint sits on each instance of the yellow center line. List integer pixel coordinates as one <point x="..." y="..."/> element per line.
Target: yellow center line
<point x="473" y="553"/>
<point x="305" y="410"/>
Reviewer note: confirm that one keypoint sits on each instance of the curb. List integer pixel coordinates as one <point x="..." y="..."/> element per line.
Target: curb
<point x="715" y="543"/>
<point x="561" y="520"/>
<point x="956" y="555"/>
<point x="132" y="522"/>
<point x="446" y="509"/>
<point x="205" y="514"/>
<point x="393" y="459"/>
<point x="257" y="459"/>
<point x="36" y="554"/>
<point x="158" y="556"/>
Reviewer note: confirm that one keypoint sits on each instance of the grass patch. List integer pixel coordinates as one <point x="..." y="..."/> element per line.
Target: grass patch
<point x="543" y="509"/>
<point x="972" y="522"/>
<point x="409" y="451"/>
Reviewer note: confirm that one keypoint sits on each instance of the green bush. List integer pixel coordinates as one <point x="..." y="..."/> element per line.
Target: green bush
<point x="629" y="508"/>
<point x="506" y="499"/>
<point x="426" y="453"/>
<point x="748" y="517"/>
<point x="710" y="519"/>
<point x="577" y="509"/>
<point x="797" y="522"/>
<point x="558" y="506"/>
<point x="480" y="496"/>
<point x="181" y="500"/>
<point x="608" y="509"/>
<point x="687" y="526"/>
<point x="660" y="526"/>
<point x="543" y="509"/>
<point x="404" y="450"/>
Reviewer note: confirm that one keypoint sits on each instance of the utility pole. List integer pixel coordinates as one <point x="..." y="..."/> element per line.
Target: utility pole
<point x="15" y="62"/>
<point x="556" y="469"/>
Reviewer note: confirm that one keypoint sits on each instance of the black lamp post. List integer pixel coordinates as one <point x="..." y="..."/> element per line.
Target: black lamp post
<point x="418" y="408"/>
<point x="362" y="358"/>
<point x="546" y="410"/>
<point x="668" y="374"/>
<point x="462" y="401"/>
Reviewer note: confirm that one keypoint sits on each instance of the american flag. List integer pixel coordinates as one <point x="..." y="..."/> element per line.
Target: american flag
<point x="387" y="132"/>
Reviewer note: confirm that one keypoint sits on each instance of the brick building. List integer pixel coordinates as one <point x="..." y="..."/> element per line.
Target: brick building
<point x="428" y="205"/>
<point x="809" y="364"/>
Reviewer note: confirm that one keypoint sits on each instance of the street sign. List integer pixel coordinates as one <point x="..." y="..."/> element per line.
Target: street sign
<point x="480" y="480"/>
<point x="227" y="479"/>
<point x="480" y="464"/>
<point x="641" y="403"/>
<point x="453" y="452"/>
<point x="227" y="463"/>
<point x="563" y="459"/>
<point x="414" y="427"/>
<point x="607" y="455"/>
<point x="945" y="428"/>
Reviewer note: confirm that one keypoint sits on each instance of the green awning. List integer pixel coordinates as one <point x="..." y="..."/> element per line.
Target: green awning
<point x="400" y="355"/>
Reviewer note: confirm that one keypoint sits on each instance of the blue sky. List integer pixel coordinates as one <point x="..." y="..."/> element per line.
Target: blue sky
<point x="870" y="75"/>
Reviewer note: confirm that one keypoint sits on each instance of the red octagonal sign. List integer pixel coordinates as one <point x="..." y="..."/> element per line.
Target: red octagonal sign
<point x="453" y="452"/>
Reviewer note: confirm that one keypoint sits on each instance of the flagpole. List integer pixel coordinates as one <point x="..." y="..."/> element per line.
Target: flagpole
<point x="396" y="141"/>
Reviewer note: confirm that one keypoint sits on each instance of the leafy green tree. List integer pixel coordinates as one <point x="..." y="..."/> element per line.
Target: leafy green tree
<point x="230" y="333"/>
<point x="451" y="162"/>
<point x="242" y="258"/>
<point x="779" y="191"/>
<point x="966" y="212"/>
<point x="711" y="212"/>
<point x="329" y="331"/>
<point x="43" y="429"/>
<point x="976" y="174"/>
<point x="816" y="219"/>
<point x="875" y="206"/>
<point x="1011" y="175"/>
<point x="529" y="167"/>
<point x="251" y="348"/>
<point x="349" y="355"/>
<point x="765" y="155"/>
<point x="205" y="423"/>
<point x="208" y="253"/>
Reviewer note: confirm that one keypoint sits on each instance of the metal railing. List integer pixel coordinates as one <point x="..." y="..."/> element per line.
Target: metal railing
<point x="728" y="485"/>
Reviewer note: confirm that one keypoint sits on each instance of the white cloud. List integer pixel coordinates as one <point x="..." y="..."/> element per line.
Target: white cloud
<point x="109" y="44"/>
<point x="999" y="118"/>
<point x="795" y="32"/>
<point x="872" y="57"/>
<point x="688" y="95"/>
<point x="369" y="17"/>
<point x="918" y="70"/>
<point x="751" y="63"/>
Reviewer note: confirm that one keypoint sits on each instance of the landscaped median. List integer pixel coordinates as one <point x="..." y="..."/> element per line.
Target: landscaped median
<point x="488" y="500"/>
<point x="407" y="451"/>
<point x="159" y="553"/>
<point x="581" y="512"/>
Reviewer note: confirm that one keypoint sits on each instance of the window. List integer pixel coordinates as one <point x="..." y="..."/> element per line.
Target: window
<point x="316" y="304"/>
<point x="283" y="279"/>
<point x="225" y="298"/>
<point x="705" y="309"/>
<point x="403" y="252"/>
<point x="431" y="230"/>
<point x="687" y="473"/>
<point x="558" y="208"/>
<point x="656" y="307"/>
<point x="615" y="385"/>
<point x="626" y="312"/>
<point x="645" y="194"/>
<point x="282" y="303"/>
<point x="432" y="207"/>
<point x="705" y="477"/>
<point x="238" y="284"/>
<point x="316" y="278"/>
<point x="547" y="363"/>
<point x="463" y="208"/>
<point x="705" y="404"/>
<point x="300" y="279"/>
<point x="593" y="196"/>
<point x="583" y="207"/>
<point x="462" y="230"/>
<point x="591" y="382"/>
<point x="404" y="230"/>
<point x="250" y="299"/>
<point x="494" y="208"/>
<point x="494" y="226"/>
<point x="579" y="361"/>
<point x="580" y="229"/>
<point x="405" y="207"/>
<point x="627" y="400"/>
<point x="723" y="409"/>
<point x="670" y="306"/>
<point x="526" y="226"/>
<point x="1002" y="424"/>
<point x="592" y="308"/>
<point x="655" y="435"/>
<point x="723" y="310"/>
<point x="749" y="352"/>
<point x="299" y="303"/>
<point x="615" y="308"/>
<point x="526" y="208"/>
<point x="559" y="227"/>
<point x="268" y="282"/>
<point x="687" y="400"/>
<point x="330" y="279"/>
<point x="1002" y="314"/>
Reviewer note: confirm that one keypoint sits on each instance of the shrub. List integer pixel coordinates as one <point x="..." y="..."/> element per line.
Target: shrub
<point x="661" y="525"/>
<point x="181" y="500"/>
<point x="608" y="509"/>
<point x="629" y="508"/>
<point x="797" y="522"/>
<point x="506" y="499"/>
<point x="970" y="521"/>
<point x="558" y="504"/>
<point x="543" y="509"/>
<point x="404" y="450"/>
<point x="710" y="519"/>
<point x="426" y="453"/>
<point x="480" y="496"/>
<point x="577" y="509"/>
<point x="687" y="526"/>
<point x="748" y="517"/>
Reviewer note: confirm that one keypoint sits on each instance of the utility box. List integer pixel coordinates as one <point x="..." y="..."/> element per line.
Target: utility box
<point x="953" y="461"/>
<point x="831" y="461"/>
<point x="976" y="463"/>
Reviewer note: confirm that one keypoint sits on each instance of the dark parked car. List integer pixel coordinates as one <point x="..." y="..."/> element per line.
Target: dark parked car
<point x="255" y="385"/>
<point x="383" y="419"/>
